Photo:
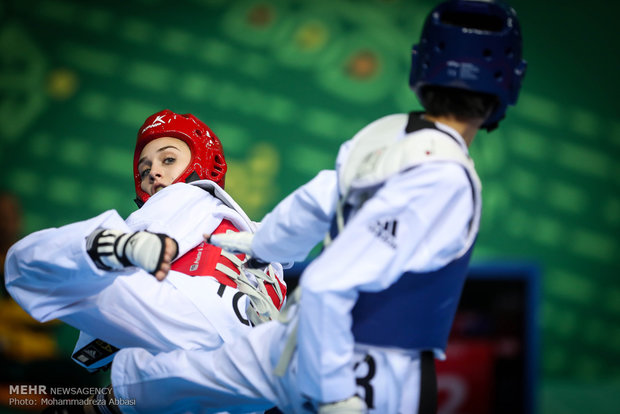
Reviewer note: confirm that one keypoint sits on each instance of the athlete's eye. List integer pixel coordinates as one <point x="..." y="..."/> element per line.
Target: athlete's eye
<point x="145" y="172"/>
<point x="169" y="160"/>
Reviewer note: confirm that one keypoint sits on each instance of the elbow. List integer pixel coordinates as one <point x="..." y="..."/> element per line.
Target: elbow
<point x="29" y="304"/>
<point x="29" y="295"/>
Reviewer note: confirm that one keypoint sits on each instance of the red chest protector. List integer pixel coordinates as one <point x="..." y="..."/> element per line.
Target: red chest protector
<point x="202" y="261"/>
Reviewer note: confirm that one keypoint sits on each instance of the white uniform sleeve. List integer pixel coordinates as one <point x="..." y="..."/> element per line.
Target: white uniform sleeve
<point x="50" y="269"/>
<point x="299" y="222"/>
<point x="50" y="274"/>
<point x="418" y="221"/>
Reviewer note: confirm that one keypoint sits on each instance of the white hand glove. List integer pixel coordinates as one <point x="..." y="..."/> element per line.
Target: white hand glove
<point x="353" y="405"/>
<point x="113" y="249"/>
<point x="234" y="242"/>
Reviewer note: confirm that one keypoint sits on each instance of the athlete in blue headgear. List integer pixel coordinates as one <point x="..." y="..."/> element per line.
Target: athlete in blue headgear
<point x="401" y="211"/>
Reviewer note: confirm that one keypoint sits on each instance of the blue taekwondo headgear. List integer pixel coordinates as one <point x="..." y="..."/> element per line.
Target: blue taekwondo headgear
<point x="472" y="45"/>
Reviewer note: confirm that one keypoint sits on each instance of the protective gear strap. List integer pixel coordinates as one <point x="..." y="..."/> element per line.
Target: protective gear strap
<point x="265" y="290"/>
<point x="291" y="343"/>
<point x="261" y="304"/>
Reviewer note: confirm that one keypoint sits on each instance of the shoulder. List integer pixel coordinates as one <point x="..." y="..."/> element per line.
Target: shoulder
<point x="436" y="177"/>
<point x="374" y="135"/>
<point x="387" y="127"/>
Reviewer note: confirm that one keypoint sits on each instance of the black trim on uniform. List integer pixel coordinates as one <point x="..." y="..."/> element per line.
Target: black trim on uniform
<point x="416" y="123"/>
<point x="192" y="177"/>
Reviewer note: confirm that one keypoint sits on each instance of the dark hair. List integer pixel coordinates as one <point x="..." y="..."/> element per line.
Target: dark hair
<point x="460" y="103"/>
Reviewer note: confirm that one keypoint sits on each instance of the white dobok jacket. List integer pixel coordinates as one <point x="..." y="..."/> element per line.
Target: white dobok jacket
<point x="50" y="274"/>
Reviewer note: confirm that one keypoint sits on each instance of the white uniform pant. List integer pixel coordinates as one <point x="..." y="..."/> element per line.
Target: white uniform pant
<point x="239" y="378"/>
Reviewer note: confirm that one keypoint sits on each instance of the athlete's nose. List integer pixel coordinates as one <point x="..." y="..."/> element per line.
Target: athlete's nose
<point x="156" y="172"/>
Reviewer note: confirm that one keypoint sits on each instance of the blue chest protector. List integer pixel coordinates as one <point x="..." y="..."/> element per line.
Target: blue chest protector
<point x="417" y="311"/>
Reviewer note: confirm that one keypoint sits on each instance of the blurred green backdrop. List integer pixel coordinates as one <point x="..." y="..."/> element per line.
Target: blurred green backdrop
<point x="283" y="83"/>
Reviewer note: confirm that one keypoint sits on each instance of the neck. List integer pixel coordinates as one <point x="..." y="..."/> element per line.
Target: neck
<point x="468" y="128"/>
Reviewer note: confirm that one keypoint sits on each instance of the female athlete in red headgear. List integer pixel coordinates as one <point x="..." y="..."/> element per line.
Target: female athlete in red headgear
<point x="97" y="274"/>
<point x="206" y="161"/>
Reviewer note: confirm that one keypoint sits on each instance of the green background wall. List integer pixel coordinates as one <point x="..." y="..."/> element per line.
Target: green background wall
<point x="283" y="83"/>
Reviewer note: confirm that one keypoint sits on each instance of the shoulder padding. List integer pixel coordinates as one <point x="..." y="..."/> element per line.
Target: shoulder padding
<point x="383" y="149"/>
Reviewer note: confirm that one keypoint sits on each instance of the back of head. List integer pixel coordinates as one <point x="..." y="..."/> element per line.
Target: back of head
<point x="207" y="160"/>
<point x="473" y="46"/>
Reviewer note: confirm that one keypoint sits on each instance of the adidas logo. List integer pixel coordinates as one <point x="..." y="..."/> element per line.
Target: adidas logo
<point x="386" y="231"/>
<point x="91" y="353"/>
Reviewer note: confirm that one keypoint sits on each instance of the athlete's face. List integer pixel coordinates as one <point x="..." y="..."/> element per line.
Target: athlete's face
<point x="161" y="162"/>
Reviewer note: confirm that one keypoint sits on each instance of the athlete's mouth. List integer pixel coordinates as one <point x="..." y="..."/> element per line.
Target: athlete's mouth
<point x="157" y="188"/>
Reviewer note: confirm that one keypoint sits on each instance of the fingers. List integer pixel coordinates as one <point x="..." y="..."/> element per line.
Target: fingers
<point x="171" y="249"/>
<point x="234" y="242"/>
<point x="162" y="272"/>
<point x="170" y="253"/>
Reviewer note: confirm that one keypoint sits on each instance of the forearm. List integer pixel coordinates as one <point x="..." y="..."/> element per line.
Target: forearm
<point x="299" y="222"/>
<point x="49" y="271"/>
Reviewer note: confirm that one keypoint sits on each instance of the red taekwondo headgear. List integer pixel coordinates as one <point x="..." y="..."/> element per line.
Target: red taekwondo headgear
<point x="207" y="162"/>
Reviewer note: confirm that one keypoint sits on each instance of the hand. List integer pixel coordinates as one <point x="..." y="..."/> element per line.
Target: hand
<point x="152" y="252"/>
<point x="114" y="250"/>
<point x="234" y="242"/>
<point x="170" y="252"/>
